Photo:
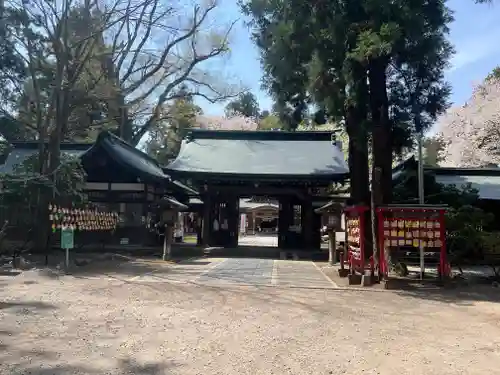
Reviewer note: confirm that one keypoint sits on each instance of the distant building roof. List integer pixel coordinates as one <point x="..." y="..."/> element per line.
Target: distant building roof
<point x="21" y="151"/>
<point x="488" y="187"/>
<point x="271" y="155"/>
<point x="125" y="155"/>
<point x="485" y="180"/>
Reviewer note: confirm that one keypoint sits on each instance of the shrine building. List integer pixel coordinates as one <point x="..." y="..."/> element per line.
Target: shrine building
<point x="119" y="178"/>
<point x="295" y="169"/>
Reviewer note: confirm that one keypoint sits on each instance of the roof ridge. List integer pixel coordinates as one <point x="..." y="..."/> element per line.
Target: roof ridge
<point x="29" y="145"/>
<point x="107" y="134"/>
<point x="258" y="135"/>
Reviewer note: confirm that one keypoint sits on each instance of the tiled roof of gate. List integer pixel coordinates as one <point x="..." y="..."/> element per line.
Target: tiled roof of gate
<point x="260" y="153"/>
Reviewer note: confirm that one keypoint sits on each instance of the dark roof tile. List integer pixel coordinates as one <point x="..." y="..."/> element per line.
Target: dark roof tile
<point x="267" y="154"/>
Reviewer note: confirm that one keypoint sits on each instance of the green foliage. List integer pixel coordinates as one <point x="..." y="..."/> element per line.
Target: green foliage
<point x="245" y="105"/>
<point x="465" y="221"/>
<point x="372" y="44"/>
<point x="14" y="130"/>
<point x="166" y="138"/>
<point x="271" y="122"/>
<point x="465" y="236"/>
<point x="432" y="148"/>
<point x="494" y="74"/>
<point x="88" y="89"/>
<point x="285" y="50"/>
<point x="25" y="190"/>
<point x="25" y="184"/>
<point x="12" y="67"/>
<point x="310" y="48"/>
<point x="491" y="243"/>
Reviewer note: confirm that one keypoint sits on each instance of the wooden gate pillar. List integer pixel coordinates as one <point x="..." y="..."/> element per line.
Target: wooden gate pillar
<point x="207" y="222"/>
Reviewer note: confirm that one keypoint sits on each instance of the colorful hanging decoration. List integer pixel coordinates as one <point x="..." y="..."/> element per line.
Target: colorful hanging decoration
<point x="355" y="224"/>
<point x="81" y="219"/>
<point x="416" y="232"/>
<point x="420" y="227"/>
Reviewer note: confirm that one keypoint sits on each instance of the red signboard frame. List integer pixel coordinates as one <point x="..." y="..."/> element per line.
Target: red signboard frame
<point x="356" y="254"/>
<point x="415" y="224"/>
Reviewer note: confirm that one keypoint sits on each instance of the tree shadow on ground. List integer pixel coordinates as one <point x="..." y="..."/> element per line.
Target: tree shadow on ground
<point x="269" y="295"/>
<point x="9" y="347"/>
<point x="123" y="270"/>
<point x="212" y="291"/>
<point x="465" y="295"/>
<point x="112" y="264"/>
<point x="4" y="272"/>
<point x="125" y="366"/>
<point x="37" y="305"/>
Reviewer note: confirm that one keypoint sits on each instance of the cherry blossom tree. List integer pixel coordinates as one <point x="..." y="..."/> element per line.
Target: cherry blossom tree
<point x="470" y="134"/>
<point x="226" y="123"/>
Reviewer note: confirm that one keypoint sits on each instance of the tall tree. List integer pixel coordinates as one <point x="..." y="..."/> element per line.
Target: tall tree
<point x="154" y="52"/>
<point x="142" y="53"/>
<point x="285" y="52"/>
<point x="245" y="105"/>
<point x="177" y="119"/>
<point x="85" y="98"/>
<point x="400" y="49"/>
<point x="339" y="54"/>
<point x="412" y="38"/>
<point x="56" y="59"/>
<point x="12" y="68"/>
<point x="58" y="44"/>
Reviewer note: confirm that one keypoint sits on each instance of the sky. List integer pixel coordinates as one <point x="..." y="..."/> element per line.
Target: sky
<point x="474" y="33"/>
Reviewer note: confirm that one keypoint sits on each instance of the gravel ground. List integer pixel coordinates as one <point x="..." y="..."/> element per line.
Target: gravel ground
<point x="77" y="325"/>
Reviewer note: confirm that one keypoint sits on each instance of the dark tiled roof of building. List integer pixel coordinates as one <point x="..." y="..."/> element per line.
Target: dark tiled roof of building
<point x="122" y="153"/>
<point x="127" y="156"/>
<point x="266" y="154"/>
<point x="485" y="180"/>
<point x="21" y="151"/>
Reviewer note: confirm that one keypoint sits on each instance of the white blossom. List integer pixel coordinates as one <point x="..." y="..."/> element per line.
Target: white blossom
<point x="226" y="123"/>
<point x="471" y="132"/>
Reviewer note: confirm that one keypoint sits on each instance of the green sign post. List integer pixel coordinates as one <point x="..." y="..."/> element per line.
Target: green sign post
<point x="67" y="242"/>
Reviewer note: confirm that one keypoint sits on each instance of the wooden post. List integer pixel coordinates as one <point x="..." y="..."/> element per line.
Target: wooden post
<point x="167" y="243"/>
<point x="332" y="250"/>
<point x="199" y="229"/>
<point x="307" y="224"/>
<point x="207" y="224"/>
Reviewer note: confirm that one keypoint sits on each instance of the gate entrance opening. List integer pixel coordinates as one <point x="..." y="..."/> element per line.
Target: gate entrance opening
<point x="258" y="222"/>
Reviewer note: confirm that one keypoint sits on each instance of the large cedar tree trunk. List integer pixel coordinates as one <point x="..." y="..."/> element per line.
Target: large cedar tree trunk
<point x="357" y="130"/>
<point x="381" y="142"/>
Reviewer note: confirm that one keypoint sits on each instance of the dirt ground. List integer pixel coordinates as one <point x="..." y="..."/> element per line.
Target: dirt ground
<point x="107" y="323"/>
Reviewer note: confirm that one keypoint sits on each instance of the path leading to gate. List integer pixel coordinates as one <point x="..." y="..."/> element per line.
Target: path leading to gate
<point x="241" y="271"/>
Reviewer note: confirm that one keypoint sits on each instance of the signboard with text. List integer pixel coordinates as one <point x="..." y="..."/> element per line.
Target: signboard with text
<point x="67" y="238"/>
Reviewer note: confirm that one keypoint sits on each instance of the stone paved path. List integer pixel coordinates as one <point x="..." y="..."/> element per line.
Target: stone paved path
<point x="220" y="271"/>
<point x="266" y="272"/>
<point x="258" y="240"/>
<point x="303" y="274"/>
<point x="240" y="271"/>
